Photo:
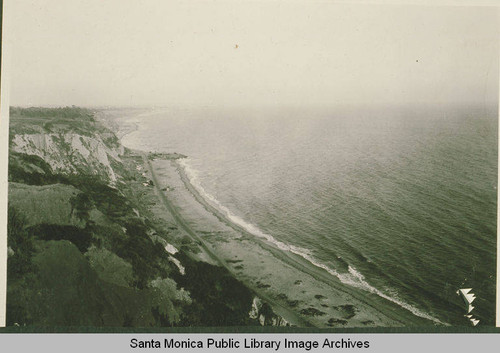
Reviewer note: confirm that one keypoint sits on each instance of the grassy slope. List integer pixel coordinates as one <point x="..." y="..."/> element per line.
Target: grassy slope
<point x="44" y="204"/>
<point x="80" y="256"/>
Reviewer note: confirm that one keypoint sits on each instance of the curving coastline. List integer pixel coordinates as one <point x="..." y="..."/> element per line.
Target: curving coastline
<point x="297" y="255"/>
<point x="289" y="315"/>
<point x="306" y="264"/>
<point x="241" y="252"/>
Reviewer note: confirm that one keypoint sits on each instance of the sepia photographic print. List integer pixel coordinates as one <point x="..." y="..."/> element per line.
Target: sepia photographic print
<point x="309" y="164"/>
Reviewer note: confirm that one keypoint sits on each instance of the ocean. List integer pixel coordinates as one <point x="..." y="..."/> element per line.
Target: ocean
<point x="399" y="201"/>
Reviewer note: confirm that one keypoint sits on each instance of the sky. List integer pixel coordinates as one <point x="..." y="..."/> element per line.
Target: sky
<point x="237" y="53"/>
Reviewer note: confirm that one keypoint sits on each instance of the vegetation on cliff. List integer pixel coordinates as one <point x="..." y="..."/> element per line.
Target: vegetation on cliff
<point x="80" y="251"/>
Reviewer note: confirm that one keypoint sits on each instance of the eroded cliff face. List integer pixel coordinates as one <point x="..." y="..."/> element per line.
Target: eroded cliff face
<point x="71" y="153"/>
<point x="96" y="241"/>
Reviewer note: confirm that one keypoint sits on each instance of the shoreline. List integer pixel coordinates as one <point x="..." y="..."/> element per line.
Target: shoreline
<point x="288" y="315"/>
<point x="334" y="305"/>
<point x="295" y="260"/>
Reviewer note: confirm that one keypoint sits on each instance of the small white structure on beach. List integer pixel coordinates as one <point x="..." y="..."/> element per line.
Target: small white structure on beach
<point x="171" y="249"/>
<point x="177" y="263"/>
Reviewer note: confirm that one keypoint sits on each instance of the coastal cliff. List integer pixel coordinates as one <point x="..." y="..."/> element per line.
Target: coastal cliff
<point x="85" y="245"/>
<point x="69" y="152"/>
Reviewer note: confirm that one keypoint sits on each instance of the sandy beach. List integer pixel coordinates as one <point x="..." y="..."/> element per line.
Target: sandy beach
<point x="300" y="292"/>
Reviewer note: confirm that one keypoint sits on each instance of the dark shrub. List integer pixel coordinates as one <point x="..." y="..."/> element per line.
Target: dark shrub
<point x="82" y="238"/>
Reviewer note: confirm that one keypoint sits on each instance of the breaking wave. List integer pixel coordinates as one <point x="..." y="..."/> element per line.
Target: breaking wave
<point x="352" y="277"/>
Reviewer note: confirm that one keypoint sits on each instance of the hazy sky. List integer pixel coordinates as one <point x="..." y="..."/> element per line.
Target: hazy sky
<point x="129" y="52"/>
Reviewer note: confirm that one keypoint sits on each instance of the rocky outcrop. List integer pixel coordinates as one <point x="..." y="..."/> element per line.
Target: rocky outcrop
<point x="264" y="314"/>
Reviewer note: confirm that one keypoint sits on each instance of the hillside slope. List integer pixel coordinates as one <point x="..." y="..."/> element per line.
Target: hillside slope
<point x="83" y="248"/>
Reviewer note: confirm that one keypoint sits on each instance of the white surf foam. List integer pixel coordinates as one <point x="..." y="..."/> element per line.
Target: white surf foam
<point x="192" y="175"/>
<point x="352" y="278"/>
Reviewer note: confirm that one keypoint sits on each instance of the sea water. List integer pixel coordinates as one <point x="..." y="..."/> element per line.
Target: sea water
<point x="398" y="201"/>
